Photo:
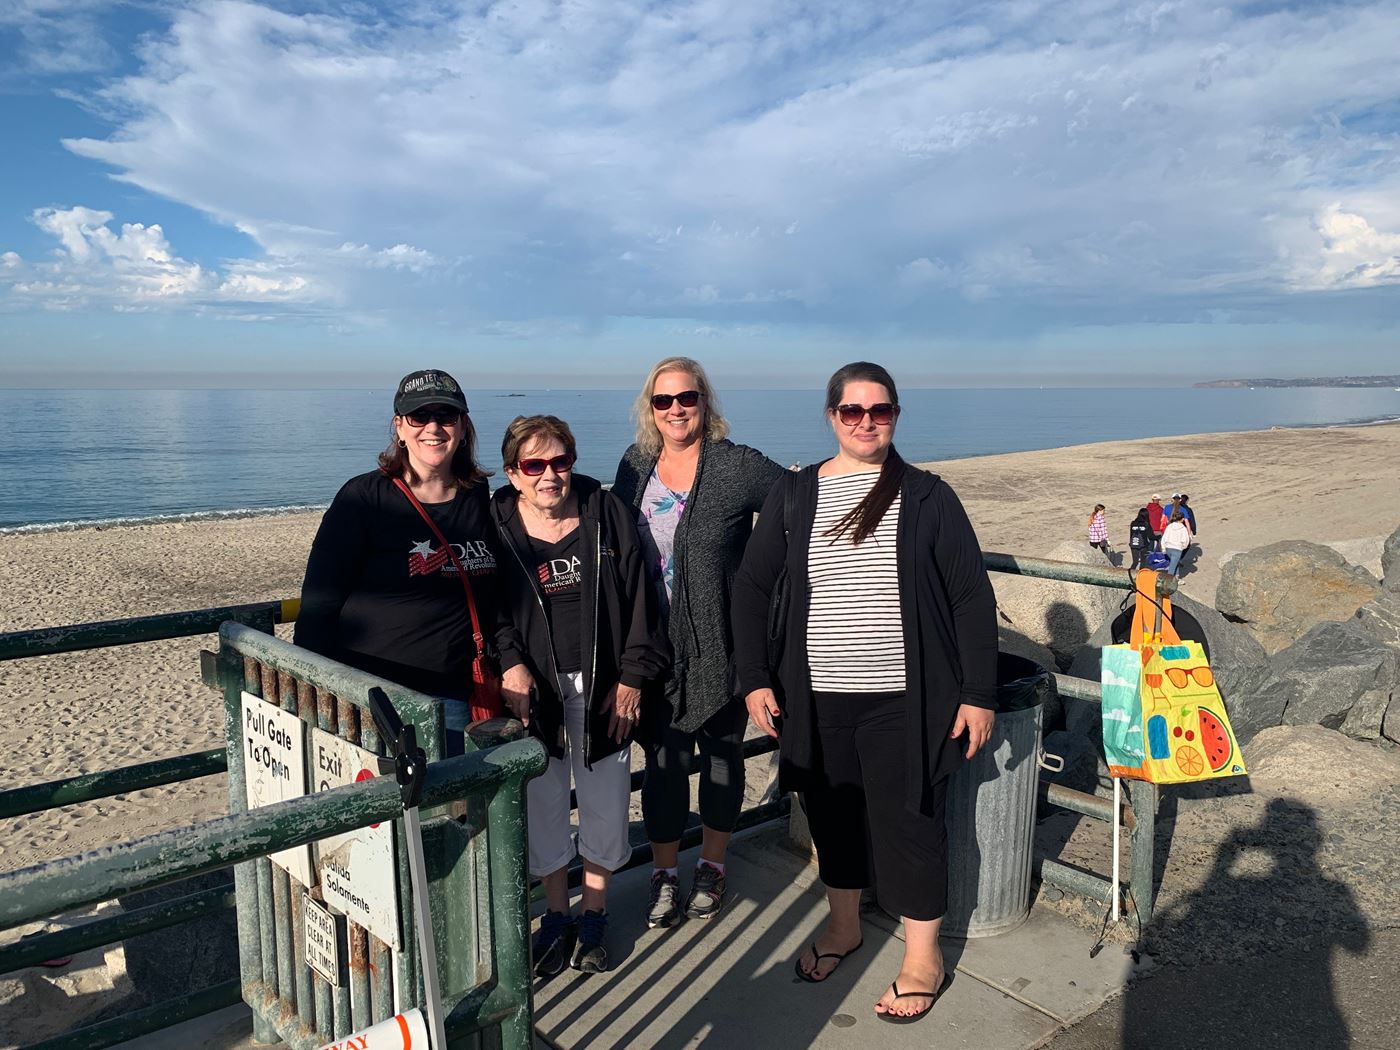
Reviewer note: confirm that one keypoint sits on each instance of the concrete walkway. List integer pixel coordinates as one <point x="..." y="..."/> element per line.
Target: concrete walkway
<point x="728" y="982"/>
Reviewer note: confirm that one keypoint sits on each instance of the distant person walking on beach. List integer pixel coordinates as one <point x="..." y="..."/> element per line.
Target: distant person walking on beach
<point x="1140" y="539"/>
<point x="1175" y="539"/>
<point x="584" y="640"/>
<point x="1187" y="513"/>
<point x="887" y="674"/>
<point x="1157" y="518"/>
<point x="405" y="551"/>
<point x="1098" y="531"/>
<point x="694" y="494"/>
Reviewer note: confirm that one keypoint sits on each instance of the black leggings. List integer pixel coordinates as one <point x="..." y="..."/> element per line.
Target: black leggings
<point x="856" y="809"/>
<point x="666" y="788"/>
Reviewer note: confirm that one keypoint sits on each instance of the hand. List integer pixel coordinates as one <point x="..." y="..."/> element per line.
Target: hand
<point x="516" y="683"/>
<point x="978" y="722"/>
<point x="625" y="706"/>
<point x="763" y="708"/>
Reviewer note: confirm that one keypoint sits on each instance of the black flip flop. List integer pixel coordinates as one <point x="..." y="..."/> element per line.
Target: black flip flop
<point x="911" y="1018"/>
<point x="797" y="964"/>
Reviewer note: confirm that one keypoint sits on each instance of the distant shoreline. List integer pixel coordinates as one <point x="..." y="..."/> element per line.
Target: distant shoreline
<point x="287" y="510"/>
<point x="1324" y="382"/>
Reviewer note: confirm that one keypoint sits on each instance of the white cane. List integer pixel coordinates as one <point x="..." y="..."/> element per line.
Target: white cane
<point x="410" y="764"/>
<point x="1117" y="804"/>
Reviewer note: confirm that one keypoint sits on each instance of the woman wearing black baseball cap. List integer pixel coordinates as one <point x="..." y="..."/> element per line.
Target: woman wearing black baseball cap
<point x="405" y="551"/>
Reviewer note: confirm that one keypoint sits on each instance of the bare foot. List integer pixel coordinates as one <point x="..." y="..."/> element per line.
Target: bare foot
<point x="829" y="944"/>
<point x="925" y="982"/>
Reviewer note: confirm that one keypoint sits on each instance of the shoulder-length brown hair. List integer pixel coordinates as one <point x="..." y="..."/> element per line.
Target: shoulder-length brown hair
<point x="648" y="437"/>
<point x="864" y="518"/>
<point x="394" y="459"/>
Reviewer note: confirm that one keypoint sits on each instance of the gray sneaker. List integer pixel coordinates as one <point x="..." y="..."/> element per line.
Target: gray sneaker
<point x="665" y="908"/>
<point x="707" y="893"/>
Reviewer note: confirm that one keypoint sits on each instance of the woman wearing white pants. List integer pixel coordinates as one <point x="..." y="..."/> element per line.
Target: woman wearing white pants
<point x="582" y="641"/>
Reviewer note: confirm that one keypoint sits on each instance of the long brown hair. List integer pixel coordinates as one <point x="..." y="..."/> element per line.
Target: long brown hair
<point x="1094" y="513"/>
<point x="394" y="459"/>
<point x="865" y="516"/>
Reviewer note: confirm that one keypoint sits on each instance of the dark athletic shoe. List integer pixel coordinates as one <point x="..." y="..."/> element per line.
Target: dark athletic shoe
<point x="590" y="956"/>
<point x="664" y="910"/>
<point x="554" y="943"/>
<point x="707" y="893"/>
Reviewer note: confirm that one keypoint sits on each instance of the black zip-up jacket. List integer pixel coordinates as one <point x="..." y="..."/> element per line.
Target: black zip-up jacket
<point x="623" y="637"/>
<point x="949" y="620"/>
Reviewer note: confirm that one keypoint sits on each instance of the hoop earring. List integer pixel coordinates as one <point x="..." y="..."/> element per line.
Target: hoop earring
<point x="402" y="443"/>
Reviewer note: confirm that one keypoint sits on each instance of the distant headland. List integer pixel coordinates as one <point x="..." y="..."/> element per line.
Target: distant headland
<point x="1316" y="381"/>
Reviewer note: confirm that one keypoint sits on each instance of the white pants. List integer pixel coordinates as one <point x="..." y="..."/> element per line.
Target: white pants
<point x="603" y="796"/>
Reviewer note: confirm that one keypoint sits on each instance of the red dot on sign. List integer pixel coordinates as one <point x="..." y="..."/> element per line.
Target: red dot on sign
<point x="1177" y="731"/>
<point x="1190" y="735"/>
<point x="365" y="774"/>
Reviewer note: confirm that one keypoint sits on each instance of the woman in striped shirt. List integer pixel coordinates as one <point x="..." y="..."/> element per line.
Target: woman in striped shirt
<point x="886" y="678"/>
<point x="1098" y="531"/>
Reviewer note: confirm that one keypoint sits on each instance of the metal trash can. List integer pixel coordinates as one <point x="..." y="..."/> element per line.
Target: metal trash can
<point x="991" y="810"/>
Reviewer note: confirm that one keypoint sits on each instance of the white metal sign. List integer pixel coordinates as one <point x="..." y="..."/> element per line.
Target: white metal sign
<point x="322" y="941"/>
<point x="358" y="873"/>
<point x="274" y="765"/>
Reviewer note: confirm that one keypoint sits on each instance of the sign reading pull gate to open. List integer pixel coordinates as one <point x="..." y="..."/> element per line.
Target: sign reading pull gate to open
<point x="274" y="763"/>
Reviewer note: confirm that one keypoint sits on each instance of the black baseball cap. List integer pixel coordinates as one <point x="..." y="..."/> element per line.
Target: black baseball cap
<point x="431" y="386"/>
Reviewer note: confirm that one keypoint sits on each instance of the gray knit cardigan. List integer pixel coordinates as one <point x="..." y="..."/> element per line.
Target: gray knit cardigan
<point x="731" y="483"/>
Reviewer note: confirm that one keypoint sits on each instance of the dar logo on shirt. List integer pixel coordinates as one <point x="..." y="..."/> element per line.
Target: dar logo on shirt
<point x="423" y="560"/>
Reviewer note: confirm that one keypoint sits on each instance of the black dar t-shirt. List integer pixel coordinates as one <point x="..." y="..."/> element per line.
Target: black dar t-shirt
<point x="382" y="595"/>
<point x="559" y="570"/>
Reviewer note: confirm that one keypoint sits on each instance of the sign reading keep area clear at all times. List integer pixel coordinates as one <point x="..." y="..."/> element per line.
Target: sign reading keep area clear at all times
<point x="274" y="766"/>
<point x="358" y="873"/>
<point x="322" y="940"/>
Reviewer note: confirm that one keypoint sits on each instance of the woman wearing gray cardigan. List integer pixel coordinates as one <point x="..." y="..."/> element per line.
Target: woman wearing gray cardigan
<point x="695" y="494"/>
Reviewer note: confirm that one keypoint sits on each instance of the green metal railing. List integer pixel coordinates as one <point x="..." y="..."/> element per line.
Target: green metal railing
<point x="497" y="775"/>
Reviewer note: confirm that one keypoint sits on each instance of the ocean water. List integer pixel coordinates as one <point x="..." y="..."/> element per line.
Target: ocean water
<point x="79" y="456"/>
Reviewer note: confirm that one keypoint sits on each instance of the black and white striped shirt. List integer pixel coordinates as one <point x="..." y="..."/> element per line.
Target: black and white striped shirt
<point x="855" y="640"/>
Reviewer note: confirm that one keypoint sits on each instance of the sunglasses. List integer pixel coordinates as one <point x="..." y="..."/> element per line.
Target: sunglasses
<point x="687" y="398"/>
<point x="535" y="467"/>
<point x="1179" y="676"/>
<point x="421" y="417"/>
<point x="882" y="415"/>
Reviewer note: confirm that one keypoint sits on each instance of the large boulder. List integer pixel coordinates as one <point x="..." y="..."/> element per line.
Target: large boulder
<point x="1319" y="767"/>
<point x="1390" y="561"/>
<point x="1059" y="616"/>
<point x="1381" y="618"/>
<point x="1329" y="669"/>
<point x="1283" y="589"/>
<point x="1366" y="719"/>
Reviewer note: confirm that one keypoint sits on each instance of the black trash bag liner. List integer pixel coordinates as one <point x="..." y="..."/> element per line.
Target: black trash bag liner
<point x="1021" y="683"/>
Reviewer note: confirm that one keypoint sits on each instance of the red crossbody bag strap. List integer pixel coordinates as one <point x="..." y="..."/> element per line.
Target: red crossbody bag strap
<point x="477" y="637"/>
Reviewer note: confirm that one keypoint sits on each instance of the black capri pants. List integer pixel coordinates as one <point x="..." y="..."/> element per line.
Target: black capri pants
<point x="862" y="829"/>
<point x="666" y="787"/>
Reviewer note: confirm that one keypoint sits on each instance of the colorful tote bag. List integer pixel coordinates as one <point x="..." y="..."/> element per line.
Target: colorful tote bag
<point x="1163" y="717"/>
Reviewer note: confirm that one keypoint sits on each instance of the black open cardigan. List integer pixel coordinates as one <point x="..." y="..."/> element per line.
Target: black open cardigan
<point x="949" y="618"/>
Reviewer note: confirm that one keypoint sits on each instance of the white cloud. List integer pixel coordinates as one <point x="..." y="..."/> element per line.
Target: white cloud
<point x="745" y="161"/>
<point x="134" y="268"/>
<point x="1353" y="253"/>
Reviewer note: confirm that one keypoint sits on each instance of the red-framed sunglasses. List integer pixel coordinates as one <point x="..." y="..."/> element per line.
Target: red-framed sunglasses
<point x="535" y="467"/>
<point x="882" y="415"/>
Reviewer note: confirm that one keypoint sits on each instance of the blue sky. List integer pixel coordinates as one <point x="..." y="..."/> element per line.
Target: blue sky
<point x="558" y="193"/>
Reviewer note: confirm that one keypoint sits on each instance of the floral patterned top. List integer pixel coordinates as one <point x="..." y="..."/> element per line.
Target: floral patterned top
<point x="657" y="519"/>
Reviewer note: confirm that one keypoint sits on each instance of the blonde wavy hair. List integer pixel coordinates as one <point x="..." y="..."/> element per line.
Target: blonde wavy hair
<point x="648" y="437"/>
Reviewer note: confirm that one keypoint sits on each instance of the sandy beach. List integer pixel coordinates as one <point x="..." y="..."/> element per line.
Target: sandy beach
<point x="82" y="712"/>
